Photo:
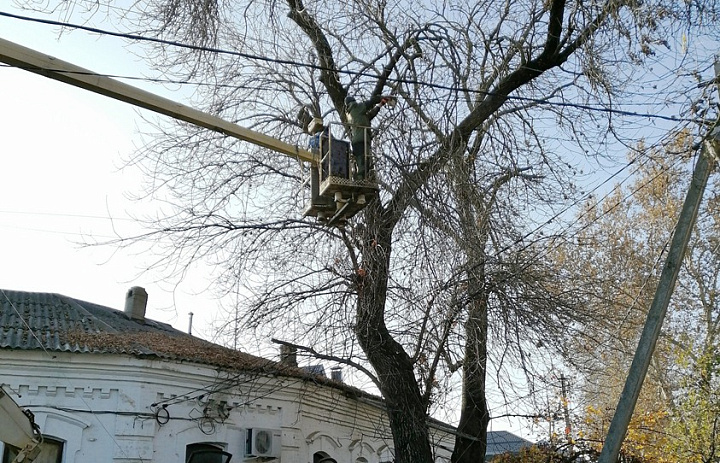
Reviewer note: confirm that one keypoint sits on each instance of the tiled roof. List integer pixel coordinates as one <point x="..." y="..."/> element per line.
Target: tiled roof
<point x="315" y="369"/>
<point x="499" y="442"/>
<point x="44" y="320"/>
<point x="57" y="323"/>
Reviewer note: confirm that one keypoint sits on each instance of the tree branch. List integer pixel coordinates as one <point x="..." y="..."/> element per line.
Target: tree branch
<point x="333" y="358"/>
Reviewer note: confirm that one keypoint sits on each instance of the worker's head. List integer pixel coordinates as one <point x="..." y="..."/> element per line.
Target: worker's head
<point x="348" y="100"/>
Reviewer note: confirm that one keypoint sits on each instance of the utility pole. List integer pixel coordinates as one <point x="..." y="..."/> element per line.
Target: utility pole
<point x="566" y="409"/>
<point x="653" y="324"/>
<point x="551" y="424"/>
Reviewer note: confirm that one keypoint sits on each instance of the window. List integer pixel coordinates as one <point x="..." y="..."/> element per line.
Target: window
<point x="206" y="453"/>
<point x="51" y="451"/>
<point x="322" y="457"/>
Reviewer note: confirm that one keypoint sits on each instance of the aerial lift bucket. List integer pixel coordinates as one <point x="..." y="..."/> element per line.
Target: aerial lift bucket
<point x="335" y="195"/>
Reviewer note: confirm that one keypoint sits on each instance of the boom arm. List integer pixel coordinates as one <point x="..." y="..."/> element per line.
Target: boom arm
<point x="18" y="429"/>
<point x="48" y="66"/>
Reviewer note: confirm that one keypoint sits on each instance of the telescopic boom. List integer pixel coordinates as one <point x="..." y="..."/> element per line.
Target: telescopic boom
<point x="48" y="66"/>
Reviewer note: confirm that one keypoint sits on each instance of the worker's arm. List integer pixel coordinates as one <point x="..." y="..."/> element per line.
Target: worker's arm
<point x="373" y="105"/>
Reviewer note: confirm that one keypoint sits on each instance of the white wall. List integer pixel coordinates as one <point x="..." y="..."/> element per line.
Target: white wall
<point x="102" y="406"/>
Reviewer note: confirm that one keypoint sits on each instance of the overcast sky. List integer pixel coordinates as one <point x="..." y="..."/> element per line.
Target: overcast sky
<point x="62" y="180"/>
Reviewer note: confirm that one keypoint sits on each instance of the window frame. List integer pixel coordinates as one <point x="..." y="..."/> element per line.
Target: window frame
<point x="10" y="451"/>
<point x="211" y="448"/>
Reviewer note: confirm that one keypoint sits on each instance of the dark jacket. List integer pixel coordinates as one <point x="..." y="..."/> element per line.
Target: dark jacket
<point x="359" y="117"/>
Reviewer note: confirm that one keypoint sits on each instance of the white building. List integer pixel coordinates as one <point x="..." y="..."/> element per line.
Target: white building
<point x="109" y="386"/>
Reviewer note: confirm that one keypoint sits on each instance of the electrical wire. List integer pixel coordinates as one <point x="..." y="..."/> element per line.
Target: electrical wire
<point x="257" y="57"/>
<point x="604" y="213"/>
<point x="217" y="387"/>
<point x="561" y="104"/>
<point x="254" y="57"/>
<point x="42" y="346"/>
<point x="65" y="215"/>
<point x="154" y="80"/>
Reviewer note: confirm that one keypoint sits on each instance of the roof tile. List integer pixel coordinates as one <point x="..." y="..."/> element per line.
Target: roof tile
<point x="58" y="323"/>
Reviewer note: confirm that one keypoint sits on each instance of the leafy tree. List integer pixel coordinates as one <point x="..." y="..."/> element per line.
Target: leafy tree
<point x="534" y="454"/>
<point x="693" y="333"/>
<point x="624" y="237"/>
<point x="436" y="276"/>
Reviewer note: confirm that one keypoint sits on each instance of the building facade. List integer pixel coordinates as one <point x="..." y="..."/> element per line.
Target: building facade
<point x="111" y="386"/>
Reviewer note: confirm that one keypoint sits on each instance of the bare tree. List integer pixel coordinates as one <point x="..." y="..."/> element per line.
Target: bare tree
<point x="441" y="273"/>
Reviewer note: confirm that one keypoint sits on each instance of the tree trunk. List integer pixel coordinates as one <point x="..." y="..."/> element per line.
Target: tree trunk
<point x="394" y="368"/>
<point x="471" y="440"/>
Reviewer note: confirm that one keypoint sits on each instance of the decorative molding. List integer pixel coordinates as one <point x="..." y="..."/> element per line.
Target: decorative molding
<point x="72" y="419"/>
<point x="317" y="435"/>
<point x="65" y="391"/>
<point x="133" y="448"/>
<point x="383" y="449"/>
<point x="362" y="446"/>
<point x="258" y="408"/>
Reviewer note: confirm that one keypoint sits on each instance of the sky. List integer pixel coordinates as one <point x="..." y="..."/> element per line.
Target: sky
<point x="64" y="183"/>
<point x="63" y="179"/>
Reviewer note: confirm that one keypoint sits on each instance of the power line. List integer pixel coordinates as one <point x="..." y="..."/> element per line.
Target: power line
<point x="254" y="57"/>
<point x="58" y="232"/>
<point x="586" y="107"/>
<point x="66" y="215"/>
<point x="42" y="346"/>
<point x="154" y="80"/>
<point x="15" y="226"/>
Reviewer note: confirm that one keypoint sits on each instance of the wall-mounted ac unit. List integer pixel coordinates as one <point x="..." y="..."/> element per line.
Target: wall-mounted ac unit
<point x="263" y="442"/>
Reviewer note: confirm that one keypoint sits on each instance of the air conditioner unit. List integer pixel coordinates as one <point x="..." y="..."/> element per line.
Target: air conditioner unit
<point x="263" y="442"/>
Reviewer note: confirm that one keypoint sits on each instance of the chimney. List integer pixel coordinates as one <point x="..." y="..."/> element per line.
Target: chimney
<point x="288" y="355"/>
<point x="336" y="374"/>
<point x="136" y="303"/>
